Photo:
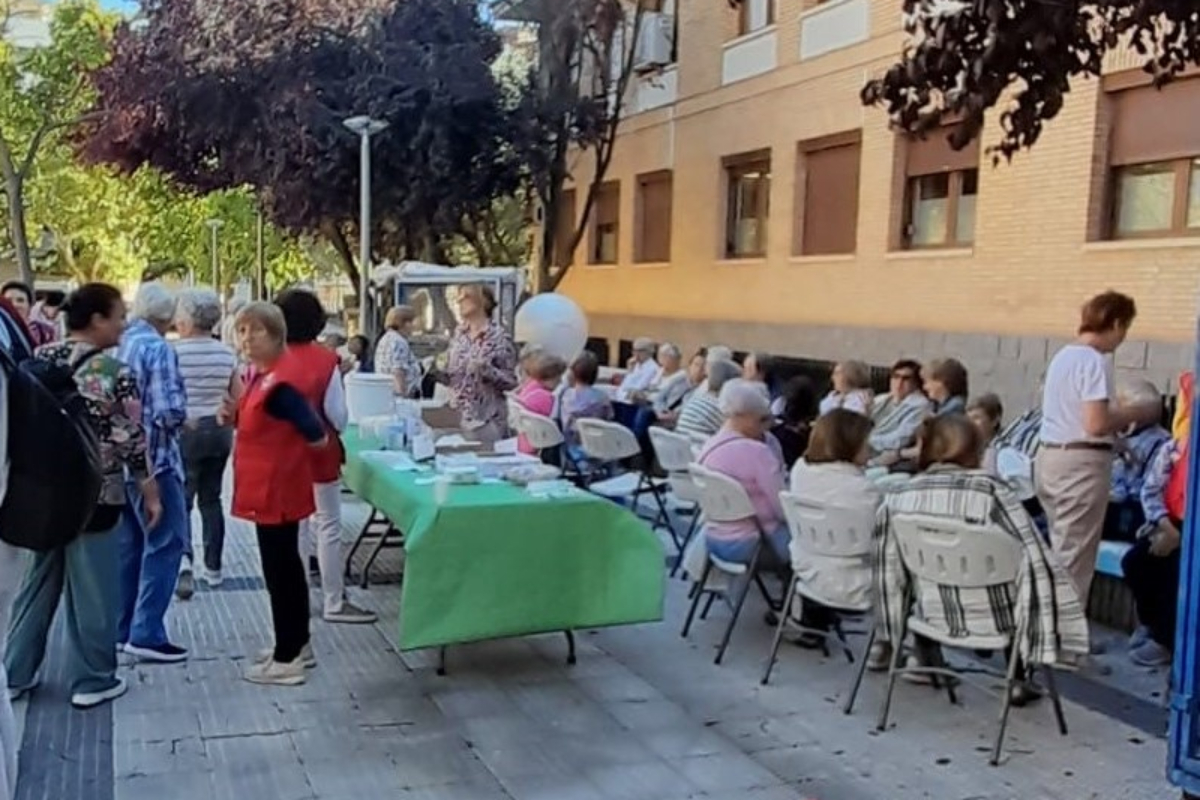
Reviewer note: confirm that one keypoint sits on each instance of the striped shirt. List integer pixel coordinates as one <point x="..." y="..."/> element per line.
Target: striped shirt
<point x="207" y="367"/>
<point x="700" y="414"/>
<point x="1041" y="603"/>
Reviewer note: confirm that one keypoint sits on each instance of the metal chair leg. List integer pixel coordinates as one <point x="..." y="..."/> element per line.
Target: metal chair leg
<point x="862" y="669"/>
<point x="687" y="540"/>
<point x="712" y="596"/>
<point x="1052" y="688"/>
<point x="787" y="607"/>
<point x="570" y="647"/>
<point x="893" y="674"/>
<point x="441" y="667"/>
<point x="687" y="623"/>
<point x="737" y="610"/>
<point x="841" y="637"/>
<point x="1013" y="662"/>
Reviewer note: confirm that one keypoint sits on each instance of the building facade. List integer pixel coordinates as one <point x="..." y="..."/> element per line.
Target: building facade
<point x="753" y="201"/>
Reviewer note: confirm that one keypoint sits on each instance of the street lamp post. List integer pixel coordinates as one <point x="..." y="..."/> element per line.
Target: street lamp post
<point x="365" y="127"/>
<point x="214" y="225"/>
<point x="260" y="250"/>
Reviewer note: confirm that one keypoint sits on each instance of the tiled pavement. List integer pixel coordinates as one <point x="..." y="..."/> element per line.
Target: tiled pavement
<point x="644" y="715"/>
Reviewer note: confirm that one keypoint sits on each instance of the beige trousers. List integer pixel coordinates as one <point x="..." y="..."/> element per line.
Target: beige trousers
<point x="1073" y="487"/>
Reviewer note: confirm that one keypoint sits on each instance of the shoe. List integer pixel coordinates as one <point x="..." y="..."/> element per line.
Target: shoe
<point x="809" y="641"/>
<point x="1139" y="637"/>
<point x="351" y="614"/>
<point x="212" y="578"/>
<point x="160" y="654"/>
<point x="185" y="586"/>
<point x="93" y="699"/>
<point x="17" y="692"/>
<point x="307" y="657"/>
<point x="1151" y="654"/>
<point x="924" y="678"/>
<point x="1023" y="693"/>
<point x="880" y="657"/>
<point x="275" y="673"/>
<point x="121" y="647"/>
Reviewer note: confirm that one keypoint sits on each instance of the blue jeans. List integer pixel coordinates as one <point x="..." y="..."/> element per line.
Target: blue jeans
<point x="739" y="551"/>
<point x="150" y="563"/>
<point x="205" y="448"/>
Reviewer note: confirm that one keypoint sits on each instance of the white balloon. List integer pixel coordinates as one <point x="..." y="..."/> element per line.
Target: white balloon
<point x="553" y="321"/>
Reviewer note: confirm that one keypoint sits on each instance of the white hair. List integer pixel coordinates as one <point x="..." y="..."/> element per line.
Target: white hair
<point x="720" y="373"/>
<point x="668" y="350"/>
<point x="719" y="352"/>
<point x="740" y="396"/>
<point x="201" y="307"/>
<point x="154" y="303"/>
<point x="1138" y="391"/>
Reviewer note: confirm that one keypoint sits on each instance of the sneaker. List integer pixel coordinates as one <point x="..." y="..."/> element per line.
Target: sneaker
<point x="880" y="657"/>
<point x="212" y="577"/>
<point x="275" y="673"/>
<point x="185" y="586"/>
<point x="1139" y="637"/>
<point x="159" y="654"/>
<point x="17" y="692"/>
<point x="92" y="699"/>
<point x="351" y="614"/>
<point x="307" y="657"/>
<point x="1151" y="654"/>
<point x="1023" y="693"/>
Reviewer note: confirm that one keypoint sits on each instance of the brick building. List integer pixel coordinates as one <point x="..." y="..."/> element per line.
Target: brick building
<point x="754" y="201"/>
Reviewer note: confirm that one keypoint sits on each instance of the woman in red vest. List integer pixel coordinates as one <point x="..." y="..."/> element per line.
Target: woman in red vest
<point x="321" y="385"/>
<point x="1151" y="567"/>
<point x="277" y="430"/>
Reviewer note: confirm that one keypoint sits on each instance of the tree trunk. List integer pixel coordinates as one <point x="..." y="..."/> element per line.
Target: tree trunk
<point x="14" y="188"/>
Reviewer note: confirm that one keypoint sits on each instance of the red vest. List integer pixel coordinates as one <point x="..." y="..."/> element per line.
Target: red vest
<point x="317" y="364"/>
<point x="1175" y="493"/>
<point x="272" y="463"/>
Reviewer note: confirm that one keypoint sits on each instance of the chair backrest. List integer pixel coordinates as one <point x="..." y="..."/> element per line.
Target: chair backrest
<point x="829" y="531"/>
<point x="606" y="441"/>
<point x="674" y="450"/>
<point x="954" y="552"/>
<point x="722" y="499"/>
<point x="542" y="432"/>
<point x="514" y="410"/>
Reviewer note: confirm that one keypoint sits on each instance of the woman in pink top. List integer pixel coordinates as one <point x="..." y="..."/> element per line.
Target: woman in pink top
<point x="741" y="451"/>
<point x="537" y="394"/>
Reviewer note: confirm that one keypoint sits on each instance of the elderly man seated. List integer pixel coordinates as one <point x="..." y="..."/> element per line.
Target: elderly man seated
<point x="898" y="414"/>
<point x="641" y="374"/>
<point x="1136" y="449"/>
<point x="952" y="485"/>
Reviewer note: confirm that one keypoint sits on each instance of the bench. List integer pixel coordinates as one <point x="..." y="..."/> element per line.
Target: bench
<point x="1111" y="603"/>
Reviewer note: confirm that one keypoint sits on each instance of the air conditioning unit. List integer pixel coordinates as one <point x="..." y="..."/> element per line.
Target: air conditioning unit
<point x="656" y="42"/>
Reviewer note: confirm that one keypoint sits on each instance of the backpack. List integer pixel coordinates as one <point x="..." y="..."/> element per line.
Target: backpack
<point x="55" y="469"/>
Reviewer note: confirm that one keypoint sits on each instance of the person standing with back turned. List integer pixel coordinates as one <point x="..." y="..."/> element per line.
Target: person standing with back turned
<point x="1080" y="420"/>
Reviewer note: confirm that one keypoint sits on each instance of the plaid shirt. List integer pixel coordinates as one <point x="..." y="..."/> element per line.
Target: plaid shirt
<point x="1042" y="601"/>
<point x="164" y="401"/>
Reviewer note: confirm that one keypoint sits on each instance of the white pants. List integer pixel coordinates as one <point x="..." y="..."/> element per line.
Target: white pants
<point x="12" y="571"/>
<point x="321" y="534"/>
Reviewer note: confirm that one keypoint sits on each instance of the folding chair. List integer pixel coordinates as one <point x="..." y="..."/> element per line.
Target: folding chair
<point x="723" y="499"/>
<point x="827" y="534"/>
<point x="675" y="454"/>
<point x="954" y="554"/>
<point x="611" y="443"/>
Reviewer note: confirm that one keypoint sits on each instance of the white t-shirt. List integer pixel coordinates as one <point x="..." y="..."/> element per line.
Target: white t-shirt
<point x="1077" y="374"/>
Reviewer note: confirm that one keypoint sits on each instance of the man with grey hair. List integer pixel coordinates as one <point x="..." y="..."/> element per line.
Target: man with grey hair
<point x="150" y="556"/>
<point x="701" y="416"/>
<point x="642" y="371"/>
<point x="1136" y="449"/>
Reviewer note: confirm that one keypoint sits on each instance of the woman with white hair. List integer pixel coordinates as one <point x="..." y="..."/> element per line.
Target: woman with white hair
<point x="210" y="377"/>
<point x="740" y="450"/>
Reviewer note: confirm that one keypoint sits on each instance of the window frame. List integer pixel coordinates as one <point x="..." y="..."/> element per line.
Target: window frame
<point x="736" y="168"/>
<point x="743" y="25"/>
<point x="1183" y="168"/>
<point x="658" y="177"/>
<point x="594" y="240"/>
<point x="953" y="196"/>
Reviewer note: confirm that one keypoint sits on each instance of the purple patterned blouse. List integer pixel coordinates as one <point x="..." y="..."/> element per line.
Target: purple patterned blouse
<point x="481" y="368"/>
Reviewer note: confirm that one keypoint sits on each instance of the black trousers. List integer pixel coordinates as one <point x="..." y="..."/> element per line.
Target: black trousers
<point x="287" y="585"/>
<point x="1154" y="581"/>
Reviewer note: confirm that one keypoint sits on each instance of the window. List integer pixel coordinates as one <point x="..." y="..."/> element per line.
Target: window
<point x="653" y="235"/>
<point x="747" y="205"/>
<point x="1155" y="168"/>
<point x="565" y="229"/>
<point x="941" y="185"/>
<point x="829" y="204"/>
<point x="755" y="15"/>
<point x="606" y="216"/>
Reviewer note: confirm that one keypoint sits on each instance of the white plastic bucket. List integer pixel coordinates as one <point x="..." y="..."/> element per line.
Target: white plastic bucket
<point x="369" y="395"/>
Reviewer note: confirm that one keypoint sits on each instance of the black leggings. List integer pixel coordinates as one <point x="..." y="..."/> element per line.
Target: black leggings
<point x="1154" y="582"/>
<point x="287" y="584"/>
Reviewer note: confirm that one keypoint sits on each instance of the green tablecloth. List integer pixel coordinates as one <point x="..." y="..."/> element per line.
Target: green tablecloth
<point x="493" y="562"/>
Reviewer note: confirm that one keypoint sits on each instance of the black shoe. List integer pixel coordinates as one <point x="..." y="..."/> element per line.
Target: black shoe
<point x="160" y="653"/>
<point x="809" y="641"/>
<point x="1024" y="693"/>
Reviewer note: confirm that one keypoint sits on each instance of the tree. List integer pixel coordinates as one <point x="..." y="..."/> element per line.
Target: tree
<point x="44" y="93"/>
<point x="571" y="106"/>
<point x="225" y="94"/>
<point x="963" y="59"/>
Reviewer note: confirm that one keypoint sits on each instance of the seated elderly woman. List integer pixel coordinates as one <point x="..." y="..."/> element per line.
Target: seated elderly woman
<point x="1136" y="450"/>
<point x="951" y="485"/>
<point x="701" y="417"/>
<point x="987" y="413"/>
<point x="740" y="451"/>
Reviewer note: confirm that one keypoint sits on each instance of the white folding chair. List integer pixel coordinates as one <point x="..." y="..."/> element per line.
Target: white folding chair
<point x="722" y="499"/>
<point x="675" y="454"/>
<point x="611" y="443"/>
<point x="827" y="534"/>
<point x="542" y="432"/>
<point x="514" y="410"/>
<point x="955" y="554"/>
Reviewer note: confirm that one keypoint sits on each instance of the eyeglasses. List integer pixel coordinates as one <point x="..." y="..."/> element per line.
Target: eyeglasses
<point x="903" y="376"/>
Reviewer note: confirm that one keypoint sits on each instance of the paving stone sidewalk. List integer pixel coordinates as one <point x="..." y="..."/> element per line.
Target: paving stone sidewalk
<point x="644" y="715"/>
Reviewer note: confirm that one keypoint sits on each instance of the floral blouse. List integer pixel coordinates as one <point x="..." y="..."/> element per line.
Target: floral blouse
<point x="394" y="356"/>
<point x="114" y="410"/>
<point x="481" y="369"/>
